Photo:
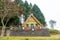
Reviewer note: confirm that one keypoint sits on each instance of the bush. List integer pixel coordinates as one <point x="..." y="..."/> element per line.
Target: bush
<point x="15" y="28"/>
<point x="54" y="31"/>
<point x="0" y="27"/>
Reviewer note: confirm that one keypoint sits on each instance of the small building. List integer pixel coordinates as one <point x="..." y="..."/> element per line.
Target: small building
<point x="32" y="23"/>
<point x="31" y="27"/>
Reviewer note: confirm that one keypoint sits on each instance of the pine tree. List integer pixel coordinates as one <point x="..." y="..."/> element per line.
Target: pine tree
<point x="38" y="14"/>
<point x="35" y="10"/>
<point x="27" y="9"/>
<point x="20" y="2"/>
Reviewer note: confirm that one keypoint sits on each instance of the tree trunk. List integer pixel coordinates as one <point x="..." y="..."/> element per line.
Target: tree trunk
<point x="3" y="31"/>
<point x="6" y="21"/>
<point x="3" y="28"/>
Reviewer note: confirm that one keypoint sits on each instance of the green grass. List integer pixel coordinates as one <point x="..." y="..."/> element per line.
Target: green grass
<point x="28" y="38"/>
<point x="52" y="37"/>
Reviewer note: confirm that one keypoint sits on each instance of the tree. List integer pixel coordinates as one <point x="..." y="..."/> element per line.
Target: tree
<point x="27" y="9"/>
<point x="1" y="9"/>
<point x="30" y="5"/>
<point x="14" y="21"/>
<point x="52" y="22"/>
<point x="35" y="10"/>
<point x="10" y="9"/>
<point x="21" y="7"/>
<point x="26" y="5"/>
<point x="20" y="2"/>
<point x="38" y="14"/>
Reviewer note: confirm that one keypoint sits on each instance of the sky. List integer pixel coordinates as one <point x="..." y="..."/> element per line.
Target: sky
<point x="50" y="9"/>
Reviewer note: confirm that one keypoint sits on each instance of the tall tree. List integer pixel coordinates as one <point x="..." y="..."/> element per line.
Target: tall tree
<point x="35" y="10"/>
<point x="52" y="22"/>
<point x="1" y="8"/>
<point x="20" y="2"/>
<point x="21" y="7"/>
<point x="27" y="9"/>
<point x="30" y="5"/>
<point x="38" y="14"/>
<point x="10" y="9"/>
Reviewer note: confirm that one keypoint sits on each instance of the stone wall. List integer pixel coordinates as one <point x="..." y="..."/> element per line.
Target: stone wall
<point x="41" y="32"/>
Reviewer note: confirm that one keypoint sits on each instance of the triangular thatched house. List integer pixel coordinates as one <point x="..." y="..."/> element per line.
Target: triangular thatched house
<point x="32" y="23"/>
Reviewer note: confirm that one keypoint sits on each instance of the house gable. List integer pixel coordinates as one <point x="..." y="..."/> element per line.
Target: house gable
<point x="31" y="20"/>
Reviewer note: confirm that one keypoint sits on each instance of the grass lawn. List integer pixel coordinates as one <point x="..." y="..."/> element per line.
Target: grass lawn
<point x="52" y="37"/>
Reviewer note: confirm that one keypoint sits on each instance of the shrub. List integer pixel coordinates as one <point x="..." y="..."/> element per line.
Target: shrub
<point x="0" y="27"/>
<point x="54" y="31"/>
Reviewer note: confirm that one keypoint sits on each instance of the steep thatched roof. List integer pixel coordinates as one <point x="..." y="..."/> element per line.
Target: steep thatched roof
<point x="31" y="15"/>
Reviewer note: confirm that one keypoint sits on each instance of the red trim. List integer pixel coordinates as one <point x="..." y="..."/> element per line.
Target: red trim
<point x="27" y="28"/>
<point x="36" y="28"/>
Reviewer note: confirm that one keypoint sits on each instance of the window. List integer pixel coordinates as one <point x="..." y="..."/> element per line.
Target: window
<point x="36" y="24"/>
<point x="27" y="25"/>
